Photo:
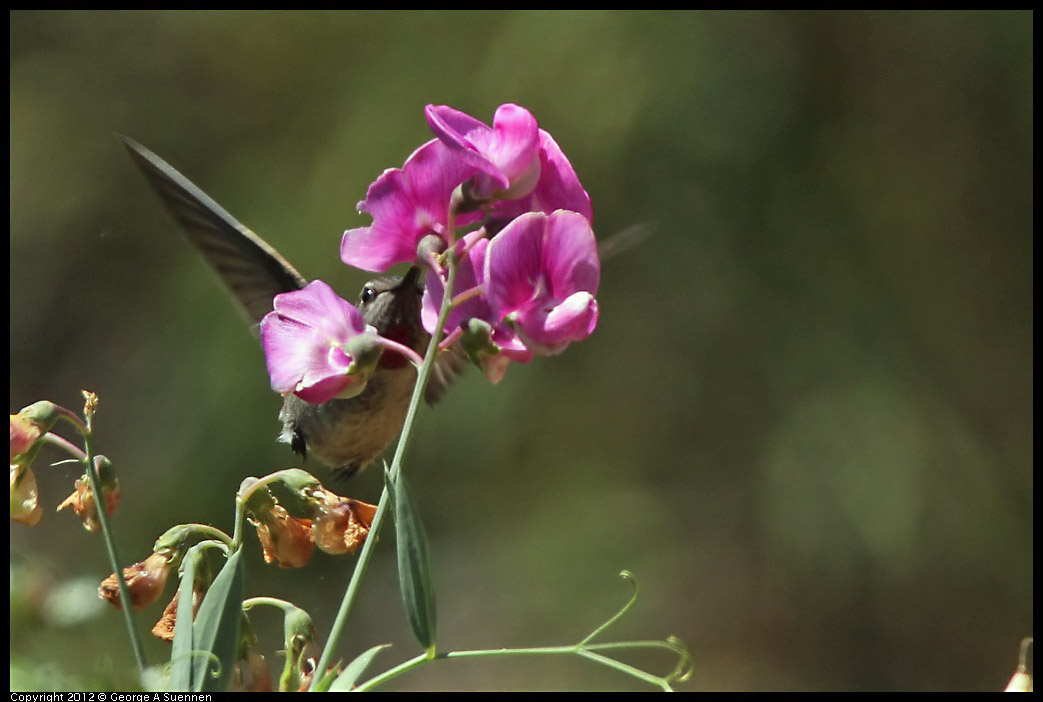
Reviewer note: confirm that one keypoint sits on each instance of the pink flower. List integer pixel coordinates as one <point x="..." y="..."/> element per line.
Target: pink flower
<point x="557" y="189"/>
<point x="506" y="154"/>
<point x="497" y="344"/>
<point x="315" y="344"/>
<point x="541" y="274"/>
<point x="406" y="204"/>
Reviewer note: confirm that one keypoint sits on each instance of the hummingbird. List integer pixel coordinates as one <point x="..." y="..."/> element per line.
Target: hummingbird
<point x="344" y="434"/>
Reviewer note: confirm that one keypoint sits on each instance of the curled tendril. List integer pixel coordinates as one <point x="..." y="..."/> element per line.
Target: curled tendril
<point x="591" y="651"/>
<point x="629" y="577"/>
<point x="683" y="670"/>
<point x="211" y="659"/>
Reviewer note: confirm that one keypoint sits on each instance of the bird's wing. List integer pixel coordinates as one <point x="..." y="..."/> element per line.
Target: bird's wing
<point x="249" y="267"/>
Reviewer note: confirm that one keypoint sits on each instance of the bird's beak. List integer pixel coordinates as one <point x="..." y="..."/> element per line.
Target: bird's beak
<point x="411" y="278"/>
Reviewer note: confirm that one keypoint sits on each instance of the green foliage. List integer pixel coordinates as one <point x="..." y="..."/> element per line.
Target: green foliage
<point x="414" y="564"/>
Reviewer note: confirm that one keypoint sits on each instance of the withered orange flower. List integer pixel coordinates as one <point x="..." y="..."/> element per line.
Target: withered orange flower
<point x="283" y="537"/>
<point x="251" y="675"/>
<point x="145" y="581"/>
<point x="83" y="504"/>
<point x="164" y="628"/>
<point x="340" y="524"/>
<point x="25" y="505"/>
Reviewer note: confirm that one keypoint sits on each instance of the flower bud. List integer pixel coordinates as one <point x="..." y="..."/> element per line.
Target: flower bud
<point x="429" y="246"/>
<point x="301" y="651"/>
<point x="30" y="424"/>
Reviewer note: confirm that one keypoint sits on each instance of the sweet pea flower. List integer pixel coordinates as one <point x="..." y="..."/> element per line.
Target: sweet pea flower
<point x="541" y="274"/>
<point x="317" y="345"/>
<point x="407" y="204"/>
<point x="557" y="189"/>
<point x="505" y="154"/>
<point x="489" y="344"/>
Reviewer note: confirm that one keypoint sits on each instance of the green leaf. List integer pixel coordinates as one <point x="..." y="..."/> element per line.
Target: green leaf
<point x="346" y="680"/>
<point x="414" y="565"/>
<point x="216" y="629"/>
<point x="181" y="650"/>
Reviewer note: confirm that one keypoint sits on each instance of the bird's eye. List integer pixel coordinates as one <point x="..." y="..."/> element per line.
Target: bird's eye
<point x="367" y="295"/>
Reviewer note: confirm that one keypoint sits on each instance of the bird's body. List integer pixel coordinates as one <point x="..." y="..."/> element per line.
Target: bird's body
<point x="344" y="434"/>
<point x="348" y="434"/>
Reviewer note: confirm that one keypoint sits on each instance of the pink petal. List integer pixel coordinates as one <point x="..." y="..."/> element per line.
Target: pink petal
<point x="432" y="300"/>
<point x="453" y="126"/>
<point x="512" y="264"/>
<point x="510" y="345"/>
<point x="513" y="143"/>
<point x="574" y="319"/>
<point x="325" y="390"/>
<point x="548" y="330"/>
<point x="391" y="238"/>
<point x="289" y="348"/>
<point x="468" y="276"/>
<point x="559" y="187"/>
<point x="318" y="307"/>
<point x="406" y="204"/>
<point x="466" y="137"/>
<point x="367" y="249"/>
<point x="570" y="255"/>
<point x="325" y="361"/>
<point x="302" y="341"/>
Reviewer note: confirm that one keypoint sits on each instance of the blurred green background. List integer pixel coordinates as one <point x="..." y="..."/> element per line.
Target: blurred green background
<point x="804" y="422"/>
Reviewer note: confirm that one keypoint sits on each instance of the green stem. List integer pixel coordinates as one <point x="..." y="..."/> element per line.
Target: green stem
<point x="393" y="672"/>
<point x="382" y="507"/>
<point x="270" y="601"/>
<point x="628" y="576"/>
<point x="587" y="652"/>
<point x="74" y="419"/>
<point x="243" y="498"/>
<point x="214" y="532"/>
<point x="624" y="668"/>
<point x="110" y="544"/>
<point x="64" y="444"/>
